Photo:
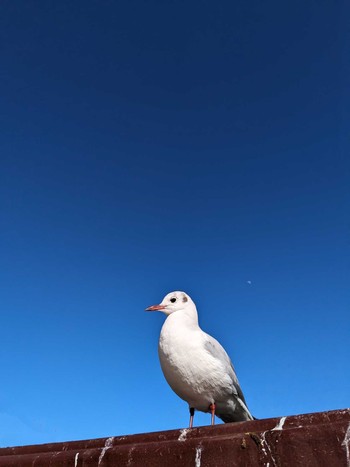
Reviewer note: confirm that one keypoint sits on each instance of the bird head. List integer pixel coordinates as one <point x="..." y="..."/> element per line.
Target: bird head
<point x="172" y="302"/>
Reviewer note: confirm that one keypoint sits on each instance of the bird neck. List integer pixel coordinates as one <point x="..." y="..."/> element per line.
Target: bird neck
<point x="188" y="318"/>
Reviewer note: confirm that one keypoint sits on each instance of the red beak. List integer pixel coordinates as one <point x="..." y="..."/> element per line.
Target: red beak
<point x="155" y="308"/>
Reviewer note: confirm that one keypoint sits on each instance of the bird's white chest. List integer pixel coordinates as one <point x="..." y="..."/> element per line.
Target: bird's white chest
<point x="187" y="367"/>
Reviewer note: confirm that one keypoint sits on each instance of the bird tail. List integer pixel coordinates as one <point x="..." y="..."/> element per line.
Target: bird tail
<point x="245" y="409"/>
<point x="240" y="414"/>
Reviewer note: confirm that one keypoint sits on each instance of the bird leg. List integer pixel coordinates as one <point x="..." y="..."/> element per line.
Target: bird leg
<point x="191" y="416"/>
<point x="212" y="410"/>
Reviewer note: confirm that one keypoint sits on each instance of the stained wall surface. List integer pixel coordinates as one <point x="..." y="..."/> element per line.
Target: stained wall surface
<point x="318" y="439"/>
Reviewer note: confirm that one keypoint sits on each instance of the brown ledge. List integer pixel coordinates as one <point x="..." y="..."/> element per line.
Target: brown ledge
<point x="318" y="439"/>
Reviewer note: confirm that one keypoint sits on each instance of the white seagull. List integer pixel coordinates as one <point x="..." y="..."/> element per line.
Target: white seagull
<point x="195" y="365"/>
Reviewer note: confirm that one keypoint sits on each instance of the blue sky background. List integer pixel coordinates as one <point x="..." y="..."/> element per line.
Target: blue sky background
<point x="150" y="146"/>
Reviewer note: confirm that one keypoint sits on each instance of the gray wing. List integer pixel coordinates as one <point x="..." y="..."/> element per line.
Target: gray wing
<point x="217" y="351"/>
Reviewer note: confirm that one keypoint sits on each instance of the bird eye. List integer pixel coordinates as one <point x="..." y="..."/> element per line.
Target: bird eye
<point x="173" y="300"/>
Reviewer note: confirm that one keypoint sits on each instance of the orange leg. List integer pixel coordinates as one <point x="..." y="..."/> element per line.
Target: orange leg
<point x="212" y="410"/>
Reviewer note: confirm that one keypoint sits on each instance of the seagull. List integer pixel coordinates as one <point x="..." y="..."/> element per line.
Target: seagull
<point x="195" y="365"/>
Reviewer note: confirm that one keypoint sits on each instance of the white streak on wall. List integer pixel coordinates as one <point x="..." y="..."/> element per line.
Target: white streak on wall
<point x="130" y="456"/>
<point x="264" y="446"/>
<point x="183" y="434"/>
<point x="346" y="443"/>
<point x="197" y="461"/>
<point x="280" y="424"/>
<point x="107" y="446"/>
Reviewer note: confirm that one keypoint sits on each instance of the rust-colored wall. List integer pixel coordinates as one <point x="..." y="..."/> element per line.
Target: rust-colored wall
<point x="319" y="439"/>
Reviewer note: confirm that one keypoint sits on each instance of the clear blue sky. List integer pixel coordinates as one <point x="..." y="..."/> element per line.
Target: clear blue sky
<point x="150" y="146"/>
